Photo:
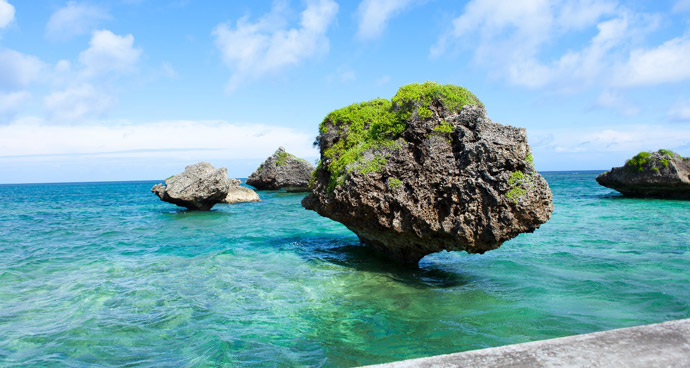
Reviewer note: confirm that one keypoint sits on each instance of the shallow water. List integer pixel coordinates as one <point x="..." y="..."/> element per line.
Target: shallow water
<point x="106" y="274"/>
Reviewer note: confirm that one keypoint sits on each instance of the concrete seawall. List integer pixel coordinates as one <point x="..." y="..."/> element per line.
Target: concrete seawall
<point x="659" y="345"/>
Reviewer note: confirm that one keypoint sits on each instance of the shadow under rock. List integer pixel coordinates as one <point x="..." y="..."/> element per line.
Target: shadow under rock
<point x="363" y="258"/>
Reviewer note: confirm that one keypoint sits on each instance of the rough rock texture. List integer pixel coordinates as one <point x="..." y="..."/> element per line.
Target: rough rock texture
<point x="238" y="193"/>
<point x="661" y="174"/>
<point x="427" y="172"/>
<point x="198" y="187"/>
<point x="282" y="171"/>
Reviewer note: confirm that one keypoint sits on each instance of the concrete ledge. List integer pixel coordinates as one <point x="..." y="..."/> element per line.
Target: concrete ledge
<point x="659" y="345"/>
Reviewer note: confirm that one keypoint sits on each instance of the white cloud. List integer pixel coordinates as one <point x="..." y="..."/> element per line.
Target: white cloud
<point x="681" y="6"/>
<point x="374" y="15"/>
<point x="614" y="100"/>
<point x="252" y="50"/>
<point x="516" y="40"/>
<point x="215" y="139"/>
<point x="74" y="19"/>
<point x="6" y="13"/>
<point x="667" y="63"/>
<point x="109" y="53"/>
<point x="680" y="111"/>
<point x="77" y="103"/>
<point x="628" y="138"/>
<point x="17" y="70"/>
<point x="11" y="102"/>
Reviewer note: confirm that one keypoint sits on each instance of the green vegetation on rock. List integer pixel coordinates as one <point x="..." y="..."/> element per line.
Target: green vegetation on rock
<point x="520" y="183"/>
<point x="378" y="125"/>
<point x="421" y="97"/>
<point x="530" y="159"/>
<point x="444" y="127"/>
<point x="394" y="183"/>
<point x="282" y="158"/>
<point x="645" y="159"/>
<point x="638" y="161"/>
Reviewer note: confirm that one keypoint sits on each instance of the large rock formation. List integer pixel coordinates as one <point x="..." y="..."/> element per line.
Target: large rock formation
<point x="238" y="193"/>
<point x="198" y="187"/>
<point x="661" y="174"/>
<point x="427" y="172"/>
<point x="282" y="170"/>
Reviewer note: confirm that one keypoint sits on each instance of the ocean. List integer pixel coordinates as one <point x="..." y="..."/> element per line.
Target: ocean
<point x="105" y="274"/>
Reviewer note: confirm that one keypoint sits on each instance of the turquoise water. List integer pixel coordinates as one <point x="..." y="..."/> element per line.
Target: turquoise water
<point x="105" y="274"/>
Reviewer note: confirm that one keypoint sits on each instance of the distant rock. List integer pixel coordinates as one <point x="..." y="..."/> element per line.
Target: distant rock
<point x="198" y="187"/>
<point x="426" y="172"/>
<point x="282" y="171"/>
<point x="238" y="193"/>
<point x="661" y="174"/>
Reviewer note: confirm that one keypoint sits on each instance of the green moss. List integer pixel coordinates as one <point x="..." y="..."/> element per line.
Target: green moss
<point x="444" y="127"/>
<point x="516" y="193"/>
<point x="530" y="159"/>
<point x="520" y="183"/>
<point x="638" y="161"/>
<point x="394" y="183"/>
<point x="668" y="152"/>
<point x="655" y="169"/>
<point x="379" y="123"/>
<point x="282" y="158"/>
<point x="516" y="177"/>
<point x="664" y="162"/>
<point x="421" y="97"/>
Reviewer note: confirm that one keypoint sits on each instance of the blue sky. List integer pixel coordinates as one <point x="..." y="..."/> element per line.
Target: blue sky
<point x="137" y="89"/>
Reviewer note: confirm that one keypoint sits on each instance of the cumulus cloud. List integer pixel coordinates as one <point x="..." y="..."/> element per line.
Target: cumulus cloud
<point x="667" y="63"/>
<point x="74" y="19"/>
<point x="109" y="53"/>
<point x="77" y="103"/>
<point x="254" y="49"/>
<point x="17" y="70"/>
<point x="373" y="16"/>
<point x="11" y="102"/>
<point x="514" y="39"/>
<point x="680" y="111"/>
<point x="6" y="13"/>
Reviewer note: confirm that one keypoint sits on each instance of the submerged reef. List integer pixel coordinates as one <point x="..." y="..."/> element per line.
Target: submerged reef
<point x="427" y="171"/>
<point x="660" y="174"/>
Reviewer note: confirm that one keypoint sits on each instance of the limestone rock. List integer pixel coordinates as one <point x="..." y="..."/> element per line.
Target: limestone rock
<point x="427" y="172"/>
<point x="661" y="174"/>
<point x="238" y="193"/>
<point x="198" y="187"/>
<point x="282" y="170"/>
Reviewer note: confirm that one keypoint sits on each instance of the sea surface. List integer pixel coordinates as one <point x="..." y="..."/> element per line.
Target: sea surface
<point x="105" y="274"/>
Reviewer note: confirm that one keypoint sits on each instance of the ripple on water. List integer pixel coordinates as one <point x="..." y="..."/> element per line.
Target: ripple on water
<point x="124" y="279"/>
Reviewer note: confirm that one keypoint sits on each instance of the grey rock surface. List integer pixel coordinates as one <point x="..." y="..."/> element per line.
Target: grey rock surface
<point x="664" y="344"/>
<point x="198" y="187"/>
<point x="469" y="185"/>
<point x="661" y="174"/>
<point x="239" y="194"/>
<point x="282" y="170"/>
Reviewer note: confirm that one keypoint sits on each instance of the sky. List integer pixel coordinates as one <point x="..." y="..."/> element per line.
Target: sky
<point x="138" y="89"/>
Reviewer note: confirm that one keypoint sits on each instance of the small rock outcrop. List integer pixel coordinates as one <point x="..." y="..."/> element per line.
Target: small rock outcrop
<point x="282" y="171"/>
<point x="238" y="193"/>
<point x="661" y="174"/>
<point x="425" y="172"/>
<point x="198" y="187"/>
